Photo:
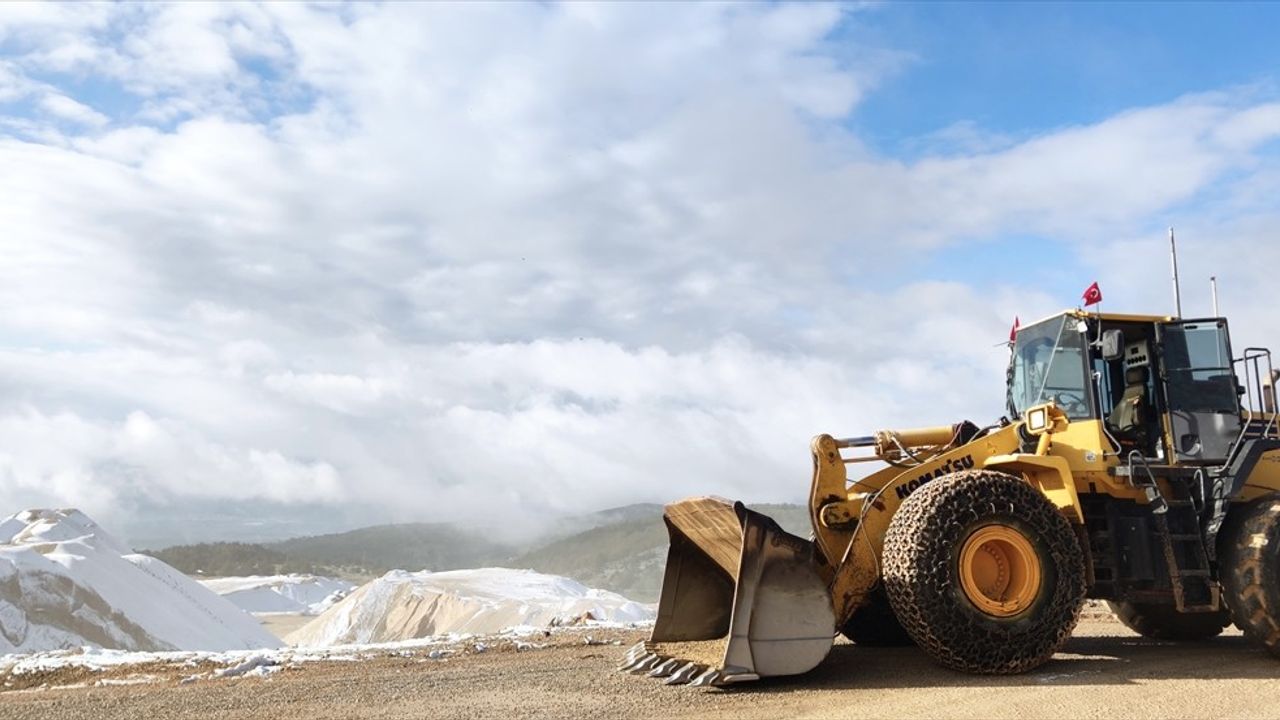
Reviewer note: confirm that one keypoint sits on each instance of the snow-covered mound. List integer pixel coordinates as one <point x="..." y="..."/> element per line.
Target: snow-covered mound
<point x="402" y="606"/>
<point x="305" y="594"/>
<point x="65" y="583"/>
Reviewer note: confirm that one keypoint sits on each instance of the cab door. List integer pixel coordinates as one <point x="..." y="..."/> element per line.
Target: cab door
<point x="1200" y="389"/>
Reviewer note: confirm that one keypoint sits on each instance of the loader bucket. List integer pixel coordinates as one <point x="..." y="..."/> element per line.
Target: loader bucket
<point x="741" y="600"/>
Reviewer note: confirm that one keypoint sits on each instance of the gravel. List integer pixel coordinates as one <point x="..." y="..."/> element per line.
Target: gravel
<point x="1105" y="671"/>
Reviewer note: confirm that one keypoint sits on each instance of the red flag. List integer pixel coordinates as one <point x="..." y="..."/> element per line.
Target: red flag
<point x="1013" y="331"/>
<point x="1093" y="295"/>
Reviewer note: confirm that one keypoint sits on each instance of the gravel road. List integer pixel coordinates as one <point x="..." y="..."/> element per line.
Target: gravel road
<point x="1104" y="672"/>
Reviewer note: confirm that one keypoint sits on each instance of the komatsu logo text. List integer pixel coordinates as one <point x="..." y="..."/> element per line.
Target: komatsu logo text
<point x="955" y="465"/>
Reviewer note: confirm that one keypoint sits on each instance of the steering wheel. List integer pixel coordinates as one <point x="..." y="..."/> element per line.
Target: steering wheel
<point x="1072" y="403"/>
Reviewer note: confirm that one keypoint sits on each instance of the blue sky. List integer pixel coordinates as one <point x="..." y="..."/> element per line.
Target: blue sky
<point x="1027" y="68"/>
<point x="275" y="256"/>
<point x="1011" y="71"/>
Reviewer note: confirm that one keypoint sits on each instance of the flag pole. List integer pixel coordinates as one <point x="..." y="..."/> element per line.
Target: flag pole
<point x="1213" y="287"/>
<point x="1177" y="293"/>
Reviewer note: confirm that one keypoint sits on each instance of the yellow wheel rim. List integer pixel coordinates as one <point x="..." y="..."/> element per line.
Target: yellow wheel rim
<point x="999" y="570"/>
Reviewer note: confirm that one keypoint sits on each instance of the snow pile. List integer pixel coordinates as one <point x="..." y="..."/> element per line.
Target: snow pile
<point x="402" y="606"/>
<point x="305" y="594"/>
<point x="65" y="583"/>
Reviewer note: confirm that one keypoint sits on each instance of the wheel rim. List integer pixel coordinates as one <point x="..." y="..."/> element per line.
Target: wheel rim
<point x="999" y="570"/>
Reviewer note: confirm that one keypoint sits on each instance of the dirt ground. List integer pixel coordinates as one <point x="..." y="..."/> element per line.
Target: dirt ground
<point x="1104" y="672"/>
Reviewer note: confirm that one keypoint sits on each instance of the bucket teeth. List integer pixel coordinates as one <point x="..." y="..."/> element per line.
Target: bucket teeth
<point x="685" y="673"/>
<point x="636" y="652"/>
<point x="707" y="678"/>
<point x="728" y="676"/>
<point x="645" y="664"/>
<point x="664" y="668"/>
<point x="657" y="661"/>
<point x="632" y="663"/>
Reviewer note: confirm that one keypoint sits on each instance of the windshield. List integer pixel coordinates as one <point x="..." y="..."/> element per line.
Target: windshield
<point x="1048" y="365"/>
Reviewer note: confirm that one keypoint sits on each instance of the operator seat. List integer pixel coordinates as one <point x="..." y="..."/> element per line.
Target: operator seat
<point x="1129" y="417"/>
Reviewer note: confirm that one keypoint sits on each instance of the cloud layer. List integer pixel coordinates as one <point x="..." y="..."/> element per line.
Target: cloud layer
<point x="456" y="261"/>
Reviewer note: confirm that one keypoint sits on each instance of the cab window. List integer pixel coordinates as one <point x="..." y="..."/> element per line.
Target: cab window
<point x="1048" y="365"/>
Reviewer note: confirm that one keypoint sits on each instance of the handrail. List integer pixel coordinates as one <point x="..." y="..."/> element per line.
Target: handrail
<point x="1255" y="398"/>
<point x="1159" y="505"/>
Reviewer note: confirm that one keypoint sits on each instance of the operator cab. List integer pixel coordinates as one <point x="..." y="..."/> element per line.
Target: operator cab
<point x="1161" y="386"/>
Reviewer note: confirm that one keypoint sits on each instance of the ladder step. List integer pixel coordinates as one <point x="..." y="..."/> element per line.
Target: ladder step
<point x="1193" y="573"/>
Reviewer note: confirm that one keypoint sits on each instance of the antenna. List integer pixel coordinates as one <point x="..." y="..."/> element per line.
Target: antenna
<point x="1213" y="288"/>
<point x="1177" y="294"/>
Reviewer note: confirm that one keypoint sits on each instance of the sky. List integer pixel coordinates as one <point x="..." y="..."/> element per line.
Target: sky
<point x="314" y="266"/>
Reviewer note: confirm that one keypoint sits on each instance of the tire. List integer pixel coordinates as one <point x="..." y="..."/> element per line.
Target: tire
<point x="936" y="527"/>
<point x="1164" y="622"/>
<point x="1251" y="572"/>
<point x="875" y="625"/>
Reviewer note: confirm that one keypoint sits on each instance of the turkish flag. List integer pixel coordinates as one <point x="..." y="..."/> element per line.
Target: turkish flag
<point x="1093" y="295"/>
<point x="1013" y="331"/>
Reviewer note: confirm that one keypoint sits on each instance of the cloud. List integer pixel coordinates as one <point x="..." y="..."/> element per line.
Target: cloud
<point x="68" y="109"/>
<point x="519" y="260"/>
<point x="65" y="457"/>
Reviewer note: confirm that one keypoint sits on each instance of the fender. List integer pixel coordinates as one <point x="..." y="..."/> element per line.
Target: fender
<point x="1049" y="473"/>
<point x="850" y="520"/>
<point x="1256" y="470"/>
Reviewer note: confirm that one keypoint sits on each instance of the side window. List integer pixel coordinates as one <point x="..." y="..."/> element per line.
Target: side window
<point x="1198" y="367"/>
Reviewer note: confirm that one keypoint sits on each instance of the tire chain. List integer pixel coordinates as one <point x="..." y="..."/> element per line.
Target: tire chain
<point x="1251" y="572"/>
<point x="920" y="578"/>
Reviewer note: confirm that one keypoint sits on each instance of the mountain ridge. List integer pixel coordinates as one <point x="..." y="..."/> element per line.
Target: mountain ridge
<point x="621" y="549"/>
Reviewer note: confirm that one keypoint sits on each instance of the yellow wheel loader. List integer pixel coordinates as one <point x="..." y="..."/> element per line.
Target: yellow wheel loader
<point x="1141" y="466"/>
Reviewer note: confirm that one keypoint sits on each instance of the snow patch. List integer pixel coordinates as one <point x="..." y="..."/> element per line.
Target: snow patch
<point x="295" y="594"/>
<point x="261" y="663"/>
<point x="255" y="666"/>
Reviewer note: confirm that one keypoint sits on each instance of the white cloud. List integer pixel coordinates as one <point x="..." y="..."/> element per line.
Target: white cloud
<point x="341" y="392"/>
<point x="445" y="257"/>
<point x="68" y="109"/>
<point x="64" y="458"/>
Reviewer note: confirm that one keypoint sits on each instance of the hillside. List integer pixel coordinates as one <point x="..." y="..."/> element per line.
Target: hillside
<point x="222" y="559"/>
<point x="628" y="556"/>
<point x="357" y="554"/>
<point x="408" y="546"/>
<point x="625" y="557"/>
<point x="621" y="549"/>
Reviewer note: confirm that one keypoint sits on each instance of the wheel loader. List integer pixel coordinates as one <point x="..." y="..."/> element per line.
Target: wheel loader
<point x="1139" y="464"/>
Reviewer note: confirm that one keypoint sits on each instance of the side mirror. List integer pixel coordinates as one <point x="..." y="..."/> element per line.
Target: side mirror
<point x="1112" y="344"/>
